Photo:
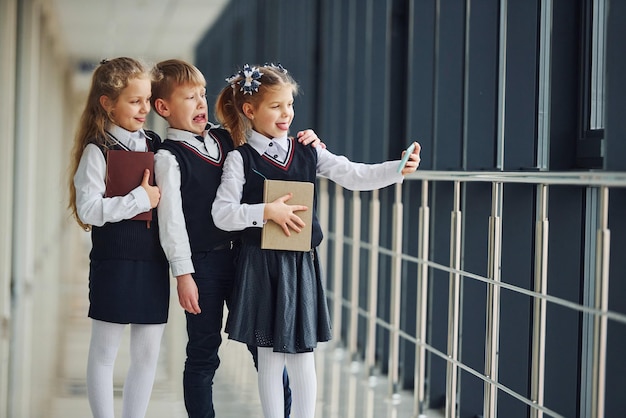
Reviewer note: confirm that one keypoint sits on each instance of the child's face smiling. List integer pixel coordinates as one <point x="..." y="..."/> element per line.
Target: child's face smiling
<point x="274" y="114"/>
<point x="186" y="109"/>
<point x="132" y="106"/>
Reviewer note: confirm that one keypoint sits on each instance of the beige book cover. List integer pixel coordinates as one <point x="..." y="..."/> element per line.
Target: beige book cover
<point x="272" y="235"/>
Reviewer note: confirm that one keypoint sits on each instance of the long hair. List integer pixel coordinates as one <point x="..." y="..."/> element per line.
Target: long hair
<point x="230" y="101"/>
<point x="109" y="79"/>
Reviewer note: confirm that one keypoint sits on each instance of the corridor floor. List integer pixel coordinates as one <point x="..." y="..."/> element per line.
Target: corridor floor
<point x="343" y="389"/>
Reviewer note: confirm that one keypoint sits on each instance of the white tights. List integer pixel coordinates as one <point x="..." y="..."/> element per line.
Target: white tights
<point x="302" y="380"/>
<point x="145" y="342"/>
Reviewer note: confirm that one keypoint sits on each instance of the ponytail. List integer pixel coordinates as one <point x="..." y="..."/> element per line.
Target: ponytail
<point x="231" y="117"/>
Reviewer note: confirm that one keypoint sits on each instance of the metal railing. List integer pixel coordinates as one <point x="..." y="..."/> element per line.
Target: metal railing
<point x="595" y="183"/>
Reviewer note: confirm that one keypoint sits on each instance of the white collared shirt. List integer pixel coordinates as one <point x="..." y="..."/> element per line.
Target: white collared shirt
<point x="208" y="147"/>
<point x="230" y="214"/>
<point x="172" y="226"/>
<point x="91" y="205"/>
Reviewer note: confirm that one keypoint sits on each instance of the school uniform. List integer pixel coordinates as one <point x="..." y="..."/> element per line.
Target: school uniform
<point x="128" y="274"/>
<point x="188" y="170"/>
<point x="278" y="296"/>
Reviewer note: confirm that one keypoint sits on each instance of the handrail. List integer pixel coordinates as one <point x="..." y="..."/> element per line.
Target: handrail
<point x="541" y="182"/>
<point x="614" y="316"/>
<point x="570" y="178"/>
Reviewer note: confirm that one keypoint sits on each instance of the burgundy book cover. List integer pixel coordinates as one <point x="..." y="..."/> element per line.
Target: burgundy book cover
<point x="124" y="173"/>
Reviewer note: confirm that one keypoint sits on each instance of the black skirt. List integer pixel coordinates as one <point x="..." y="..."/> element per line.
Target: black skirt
<point x="278" y="301"/>
<point x="129" y="291"/>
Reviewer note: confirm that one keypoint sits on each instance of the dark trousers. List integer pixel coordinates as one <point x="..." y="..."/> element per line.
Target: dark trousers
<point x="215" y="272"/>
<point x="255" y="357"/>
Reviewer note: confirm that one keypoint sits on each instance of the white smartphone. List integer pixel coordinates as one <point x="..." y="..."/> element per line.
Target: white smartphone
<point x="407" y="154"/>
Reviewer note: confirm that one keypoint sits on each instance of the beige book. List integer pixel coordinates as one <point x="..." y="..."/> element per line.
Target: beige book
<point x="272" y="236"/>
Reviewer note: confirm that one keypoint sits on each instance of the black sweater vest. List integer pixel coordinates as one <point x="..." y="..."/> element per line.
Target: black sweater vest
<point x="128" y="240"/>
<point x="300" y="165"/>
<point x="200" y="178"/>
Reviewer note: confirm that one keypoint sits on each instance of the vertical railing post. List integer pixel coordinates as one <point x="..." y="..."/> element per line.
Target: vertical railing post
<point x="396" y="291"/>
<point x="502" y="71"/>
<point x="355" y="280"/>
<point x="323" y="202"/>
<point x="591" y="250"/>
<point x="602" y="305"/>
<point x="338" y="264"/>
<point x="454" y="305"/>
<point x="372" y="303"/>
<point x="539" y="313"/>
<point x="323" y="211"/>
<point x="422" y="304"/>
<point x="492" y="332"/>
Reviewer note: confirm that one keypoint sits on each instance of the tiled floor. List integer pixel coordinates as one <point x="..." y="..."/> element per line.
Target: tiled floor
<point x="343" y="389"/>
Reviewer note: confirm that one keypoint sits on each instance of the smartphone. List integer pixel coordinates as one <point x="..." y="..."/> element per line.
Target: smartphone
<point x="408" y="152"/>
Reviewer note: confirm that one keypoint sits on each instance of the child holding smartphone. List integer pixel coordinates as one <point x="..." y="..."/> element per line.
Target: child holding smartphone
<point x="278" y="302"/>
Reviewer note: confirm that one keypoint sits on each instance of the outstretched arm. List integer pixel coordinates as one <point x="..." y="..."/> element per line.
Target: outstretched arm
<point x="360" y="176"/>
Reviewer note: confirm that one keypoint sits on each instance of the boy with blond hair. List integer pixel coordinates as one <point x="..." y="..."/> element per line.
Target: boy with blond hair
<point x="188" y="170"/>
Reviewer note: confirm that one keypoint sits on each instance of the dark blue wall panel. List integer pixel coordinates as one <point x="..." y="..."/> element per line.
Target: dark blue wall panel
<point x="377" y="74"/>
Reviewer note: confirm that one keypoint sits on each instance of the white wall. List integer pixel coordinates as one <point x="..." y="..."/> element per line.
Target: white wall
<point x="42" y="250"/>
<point x="35" y="137"/>
<point x="8" y="18"/>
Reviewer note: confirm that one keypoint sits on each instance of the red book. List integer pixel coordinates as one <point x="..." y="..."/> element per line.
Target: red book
<point x="125" y="172"/>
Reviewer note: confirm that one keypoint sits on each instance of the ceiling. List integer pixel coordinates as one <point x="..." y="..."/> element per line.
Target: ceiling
<point x="150" y="30"/>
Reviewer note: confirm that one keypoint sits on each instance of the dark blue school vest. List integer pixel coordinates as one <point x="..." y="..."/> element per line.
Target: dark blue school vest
<point x="300" y="165"/>
<point x="128" y="239"/>
<point x="200" y="178"/>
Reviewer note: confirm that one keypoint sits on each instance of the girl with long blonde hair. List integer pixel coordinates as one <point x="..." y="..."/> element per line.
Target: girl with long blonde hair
<point x="128" y="272"/>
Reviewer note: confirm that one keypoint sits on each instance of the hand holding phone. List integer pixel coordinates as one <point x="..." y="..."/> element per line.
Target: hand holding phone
<point x="406" y="156"/>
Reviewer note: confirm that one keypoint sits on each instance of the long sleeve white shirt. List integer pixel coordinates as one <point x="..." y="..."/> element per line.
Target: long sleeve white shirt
<point x="91" y="205"/>
<point x="172" y="226"/>
<point x="230" y="214"/>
